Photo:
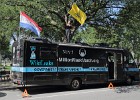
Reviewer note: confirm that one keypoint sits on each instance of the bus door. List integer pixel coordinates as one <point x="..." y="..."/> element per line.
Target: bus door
<point x="115" y="67"/>
<point x="111" y="65"/>
<point x="119" y="61"/>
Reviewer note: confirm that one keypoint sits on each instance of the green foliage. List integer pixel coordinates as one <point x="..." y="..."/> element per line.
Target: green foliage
<point x="8" y="68"/>
<point x="117" y="29"/>
<point x="4" y="43"/>
<point x="88" y="35"/>
<point x="129" y="27"/>
<point x="52" y="16"/>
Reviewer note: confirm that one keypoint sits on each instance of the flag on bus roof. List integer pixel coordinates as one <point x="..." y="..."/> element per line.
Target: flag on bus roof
<point x="28" y="23"/>
<point x="78" y="14"/>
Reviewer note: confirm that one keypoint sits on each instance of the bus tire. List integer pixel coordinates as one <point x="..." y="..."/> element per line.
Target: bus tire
<point x="75" y="84"/>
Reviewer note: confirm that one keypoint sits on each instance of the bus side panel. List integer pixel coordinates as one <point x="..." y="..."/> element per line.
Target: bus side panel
<point x="17" y="63"/>
<point x="40" y="63"/>
<point x="85" y="63"/>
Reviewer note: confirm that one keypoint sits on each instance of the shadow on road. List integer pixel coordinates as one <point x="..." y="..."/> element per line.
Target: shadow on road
<point x="33" y="90"/>
<point x="2" y="94"/>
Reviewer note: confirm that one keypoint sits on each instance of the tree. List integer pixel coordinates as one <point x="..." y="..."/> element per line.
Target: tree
<point x="54" y="17"/>
<point x="58" y="25"/>
<point x="3" y="45"/>
<point x="129" y="27"/>
<point x="87" y="35"/>
<point x="7" y="24"/>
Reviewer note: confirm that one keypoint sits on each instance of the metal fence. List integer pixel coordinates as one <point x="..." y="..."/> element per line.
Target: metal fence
<point x="4" y="75"/>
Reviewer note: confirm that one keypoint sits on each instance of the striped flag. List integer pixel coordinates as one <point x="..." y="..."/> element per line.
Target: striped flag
<point x="28" y="23"/>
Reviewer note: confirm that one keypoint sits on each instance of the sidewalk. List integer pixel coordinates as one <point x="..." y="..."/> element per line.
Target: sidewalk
<point x="7" y="85"/>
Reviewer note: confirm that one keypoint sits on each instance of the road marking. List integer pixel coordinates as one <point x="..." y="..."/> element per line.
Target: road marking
<point x="66" y="94"/>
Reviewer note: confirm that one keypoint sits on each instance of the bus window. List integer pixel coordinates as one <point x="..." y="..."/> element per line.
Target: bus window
<point x="129" y="61"/>
<point x="125" y="59"/>
<point x="119" y="58"/>
<point x="110" y="57"/>
<point x="14" y="55"/>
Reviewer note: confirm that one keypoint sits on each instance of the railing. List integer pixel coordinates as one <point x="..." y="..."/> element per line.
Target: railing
<point x="4" y="75"/>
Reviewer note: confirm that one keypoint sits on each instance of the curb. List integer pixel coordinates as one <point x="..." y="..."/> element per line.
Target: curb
<point x="7" y="88"/>
<point x="7" y="85"/>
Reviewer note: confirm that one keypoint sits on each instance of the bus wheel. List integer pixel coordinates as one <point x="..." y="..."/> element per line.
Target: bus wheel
<point x="75" y="84"/>
<point x="129" y="80"/>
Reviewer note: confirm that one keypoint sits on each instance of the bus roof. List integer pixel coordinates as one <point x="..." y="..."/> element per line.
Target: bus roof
<point x="84" y="45"/>
<point x="88" y="46"/>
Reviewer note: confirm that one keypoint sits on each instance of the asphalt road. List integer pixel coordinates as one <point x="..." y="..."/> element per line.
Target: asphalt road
<point x="92" y="92"/>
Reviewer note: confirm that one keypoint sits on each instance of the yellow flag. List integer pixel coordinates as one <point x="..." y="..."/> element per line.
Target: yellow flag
<point x="78" y="14"/>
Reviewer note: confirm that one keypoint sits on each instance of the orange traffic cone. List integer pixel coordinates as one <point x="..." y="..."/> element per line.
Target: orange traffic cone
<point x="110" y="86"/>
<point x="25" y="94"/>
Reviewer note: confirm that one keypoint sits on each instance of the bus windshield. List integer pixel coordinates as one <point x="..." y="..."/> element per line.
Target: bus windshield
<point x="129" y="60"/>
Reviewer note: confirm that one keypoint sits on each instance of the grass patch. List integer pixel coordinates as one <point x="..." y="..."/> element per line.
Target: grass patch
<point x="8" y="68"/>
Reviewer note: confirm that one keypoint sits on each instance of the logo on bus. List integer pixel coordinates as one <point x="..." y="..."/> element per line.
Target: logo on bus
<point x="33" y="55"/>
<point x="82" y="52"/>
